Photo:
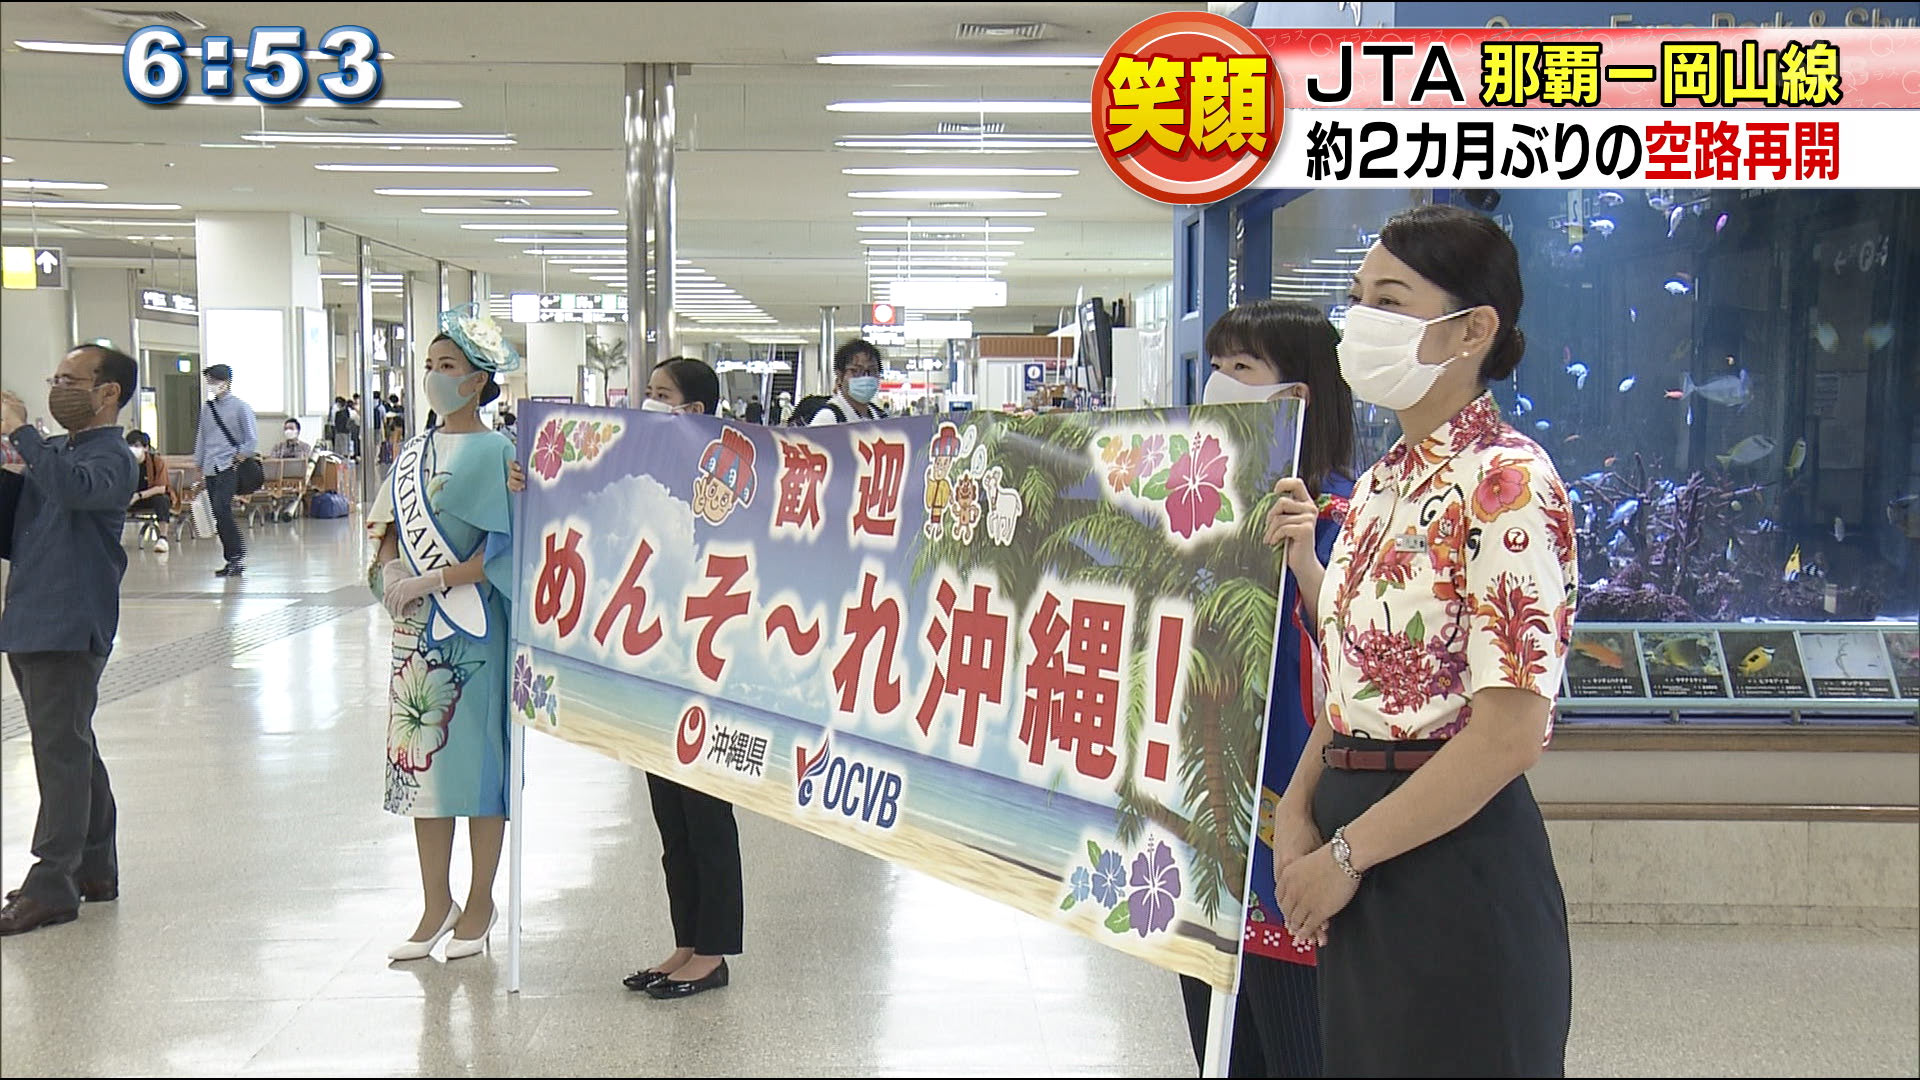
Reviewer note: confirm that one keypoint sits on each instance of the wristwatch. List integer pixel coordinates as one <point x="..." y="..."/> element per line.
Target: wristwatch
<point x="1342" y="854"/>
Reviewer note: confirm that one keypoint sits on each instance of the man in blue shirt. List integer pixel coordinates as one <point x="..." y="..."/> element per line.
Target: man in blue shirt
<point x="226" y="435"/>
<point x="57" y="627"/>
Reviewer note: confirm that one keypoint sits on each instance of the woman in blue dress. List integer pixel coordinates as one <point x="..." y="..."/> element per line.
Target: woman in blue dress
<point x="444" y="524"/>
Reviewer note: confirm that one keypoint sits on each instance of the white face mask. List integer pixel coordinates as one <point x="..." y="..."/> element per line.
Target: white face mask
<point x="214" y="390"/>
<point x="139" y="453"/>
<point x="656" y="405"/>
<point x="1380" y="357"/>
<point x="443" y="392"/>
<point x="1224" y="389"/>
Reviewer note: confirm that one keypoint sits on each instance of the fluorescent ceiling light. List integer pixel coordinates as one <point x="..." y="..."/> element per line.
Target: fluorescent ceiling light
<point x="52" y="185"/>
<point x="523" y="226"/>
<point x="572" y="261"/>
<point x="955" y="60"/>
<point x="128" y="223"/>
<point x="611" y="240"/>
<point x="569" y="251"/>
<point x="88" y="48"/>
<point x="954" y="170"/>
<point x="955" y="194"/>
<point x="937" y="244"/>
<point x="46" y="204"/>
<point x="321" y="102"/>
<point x="321" y="138"/>
<point x="4" y="160"/>
<point x="377" y="168"/>
<point x="486" y="193"/>
<point x="507" y="211"/>
<point x="950" y="213"/>
<point x="944" y="228"/>
<point x="1068" y="107"/>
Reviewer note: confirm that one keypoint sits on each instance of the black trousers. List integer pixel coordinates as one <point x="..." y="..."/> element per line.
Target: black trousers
<point x="700" y="849"/>
<point x="159" y="506"/>
<point x="221" y="489"/>
<point x="1452" y="959"/>
<point x="1276" y="1019"/>
<point x="73" y="838"/>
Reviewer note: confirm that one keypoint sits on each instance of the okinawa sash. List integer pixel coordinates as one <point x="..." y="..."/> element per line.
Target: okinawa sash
<point x="461" y="608"/>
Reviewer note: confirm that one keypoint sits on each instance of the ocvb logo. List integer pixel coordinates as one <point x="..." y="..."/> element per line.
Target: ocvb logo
<point x="858" y="790"/>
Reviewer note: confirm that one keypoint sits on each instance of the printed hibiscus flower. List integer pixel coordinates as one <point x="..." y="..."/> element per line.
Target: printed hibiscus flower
<point x="1082" y="884"/>
<point x="1112" y="449"/>
<point x="1450" y="667"/>
<point x="1507" y="486"/>
<point x="549" y="450"/>
<point x="522" y="685"/>
<point x="1109" y="877"/>
<point x="1153" y="455"/>
<point x="1156" y="882"/>
<point x="1195" y="490"/>
<point x="591" y="441"/>
<point x="424" y="696"/>
<point x="1123" y="470"/>
<point x="580" y="439"/>
<point x="1447" y="542"/>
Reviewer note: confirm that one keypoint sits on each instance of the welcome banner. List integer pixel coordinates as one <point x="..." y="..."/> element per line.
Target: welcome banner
<point x="1028" y="656"/>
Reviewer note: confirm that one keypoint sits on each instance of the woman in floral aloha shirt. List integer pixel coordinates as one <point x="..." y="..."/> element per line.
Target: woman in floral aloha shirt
<point x="1444" y="616"/>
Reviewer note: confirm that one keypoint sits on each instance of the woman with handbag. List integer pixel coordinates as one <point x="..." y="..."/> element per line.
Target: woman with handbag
<point x="227" y="449"/>
<point x="447" y="580"/>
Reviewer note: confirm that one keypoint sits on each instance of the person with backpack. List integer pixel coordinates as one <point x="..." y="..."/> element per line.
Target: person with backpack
<point x="857" y="366"/>
<point x="224" y="442"/>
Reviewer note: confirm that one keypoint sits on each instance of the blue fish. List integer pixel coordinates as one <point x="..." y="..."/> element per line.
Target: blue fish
<point x="1623" y="512"/>
<point x="1619" y="544"/>
<point x="1522" y="405"/>
<point x="1678" y="287"/>
<point x="1573" y="496"/>
<point x="1633" y="314"/>
<point x="1674" y="218"/>
<point x="1542" y="425"/>
<point x="1593" y="479"/>
<point x="1720" y="223"/>
<point x="1626" y="384"/>
<point x="1579" y="373"/>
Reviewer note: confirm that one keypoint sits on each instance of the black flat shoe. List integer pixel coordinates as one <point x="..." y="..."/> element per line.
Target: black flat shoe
<point x="641" y="980"/>
<point x="669" y="989"/>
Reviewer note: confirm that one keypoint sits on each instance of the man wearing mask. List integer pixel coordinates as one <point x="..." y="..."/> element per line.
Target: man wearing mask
<point x="856" y="386"/>
<point x="225" y="436"/>
<point x="290" y="444"/>
<point x="62" y="610"/>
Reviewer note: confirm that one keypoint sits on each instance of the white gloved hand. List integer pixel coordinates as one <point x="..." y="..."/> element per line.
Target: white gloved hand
<point x="405" y="591"/>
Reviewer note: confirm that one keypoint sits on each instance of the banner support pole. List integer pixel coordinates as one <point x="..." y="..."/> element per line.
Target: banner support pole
<point x="516" y="805"/>
<point x="1220" y="1034"/>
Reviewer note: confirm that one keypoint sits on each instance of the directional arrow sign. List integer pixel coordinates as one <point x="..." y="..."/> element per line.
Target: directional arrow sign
<point x="50" y="266"/>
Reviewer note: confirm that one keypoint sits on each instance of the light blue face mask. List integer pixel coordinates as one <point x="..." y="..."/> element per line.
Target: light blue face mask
<point x="863" y="388"/>
<point x="443" y="392"/>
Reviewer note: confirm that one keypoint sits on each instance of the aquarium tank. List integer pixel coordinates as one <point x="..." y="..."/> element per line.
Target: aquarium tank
<point x="1728" y="381"/>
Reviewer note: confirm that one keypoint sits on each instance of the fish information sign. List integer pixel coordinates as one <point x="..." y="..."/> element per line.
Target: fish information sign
<point x="1028" y="656"/>
<point x="1604" y="664"/>
<point x="1845" y="665"/>
<point x="1764" y="664"/>
<point x="1683" y="664"/>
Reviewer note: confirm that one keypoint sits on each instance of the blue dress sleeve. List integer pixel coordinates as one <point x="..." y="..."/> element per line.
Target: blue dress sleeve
<point x="485" y="503"/>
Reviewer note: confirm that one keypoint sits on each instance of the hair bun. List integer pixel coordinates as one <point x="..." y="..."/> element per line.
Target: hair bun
<point x="1504" y="360"/>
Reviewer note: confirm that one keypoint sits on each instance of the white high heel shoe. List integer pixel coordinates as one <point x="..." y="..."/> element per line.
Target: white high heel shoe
<point x="461" y="947"/>
<point x="420" y="950"/>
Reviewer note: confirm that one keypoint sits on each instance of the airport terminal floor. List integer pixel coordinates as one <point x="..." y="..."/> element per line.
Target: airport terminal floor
<point x="261" y="885"/>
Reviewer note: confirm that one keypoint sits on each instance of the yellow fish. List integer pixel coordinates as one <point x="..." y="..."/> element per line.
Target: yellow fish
<point x="1757" y="660"/>
<point x="1686" y="654"/>
<point x="1793" y="565"/>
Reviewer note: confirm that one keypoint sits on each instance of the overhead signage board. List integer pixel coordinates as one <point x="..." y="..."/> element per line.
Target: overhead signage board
<point x="33" y="268"/>
<point x="163" y="302"/>
<point x="569" y="307"/>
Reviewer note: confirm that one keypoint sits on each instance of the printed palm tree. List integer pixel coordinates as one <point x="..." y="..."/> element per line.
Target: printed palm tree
<point x="1226" y="578"/>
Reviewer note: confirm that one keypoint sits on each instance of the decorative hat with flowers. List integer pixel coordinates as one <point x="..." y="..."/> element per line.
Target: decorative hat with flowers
<point x="480" y="338"/>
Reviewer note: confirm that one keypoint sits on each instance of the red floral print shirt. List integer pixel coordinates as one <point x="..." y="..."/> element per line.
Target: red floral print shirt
<point x="1455" y="572"/>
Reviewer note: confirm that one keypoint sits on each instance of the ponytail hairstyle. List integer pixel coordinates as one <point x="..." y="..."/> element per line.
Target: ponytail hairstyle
<point x="1473" y="259"/>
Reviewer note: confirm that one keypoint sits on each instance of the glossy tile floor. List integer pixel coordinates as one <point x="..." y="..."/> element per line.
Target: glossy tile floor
<point x="262" y="886"/>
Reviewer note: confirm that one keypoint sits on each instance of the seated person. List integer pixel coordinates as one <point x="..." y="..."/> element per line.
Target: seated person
<point x="291" y="445"/>
<point x="152" y="496"/>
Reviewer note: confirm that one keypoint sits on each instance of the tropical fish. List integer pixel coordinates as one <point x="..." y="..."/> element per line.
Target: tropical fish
<point x="1677" y="395"/>
<point x="1603" y="226"/>
<point x="1678" y="287"/>
<point x="1747" y="451"/>
<point x="1608" y="198"/>
<point x="1593" y="479"/>
<point x="1720" y="223"/>
<point x="1729" y="549"/>
<point x="1542" y="425"/>
<point x="1626" y="384"/>
<point x="1633" y="314"/>
<point x="1611" y="458"/>
<point x="1573" y="496"/>
<point x="1730" y="390"/>
<point x="1522" y="405"/>
<point x="1878" y="335"/>
<point x="1827" y="336"/>
<point x="1736" y="506"/>
<point x="1767" y="525"/>
<point x="1757" y="660"/>
<point x="1674" y="218"/>
<point x="1623" y="512"/>
<point x="1796" y="457"/>
<point x="1619" y="544"/>
<point x="1792" y="572"/>
<point x="1840" y="530"/>
<point x="1685" y="652"/>
<point x="1574" y="368"/>
<point x="1600" y="654"/>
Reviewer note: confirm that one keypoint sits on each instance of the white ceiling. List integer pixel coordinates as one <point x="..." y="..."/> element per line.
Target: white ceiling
<point x="762" y="202"/>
